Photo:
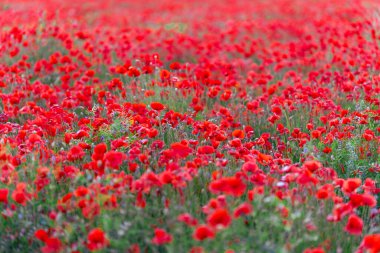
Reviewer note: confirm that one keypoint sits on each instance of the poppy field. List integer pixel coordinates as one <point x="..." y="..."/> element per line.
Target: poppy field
<point x="190" y="126"/>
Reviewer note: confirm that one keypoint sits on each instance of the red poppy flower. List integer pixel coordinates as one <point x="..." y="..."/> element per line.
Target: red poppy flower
<point x="101" y="148"/>
<point x="35" y="138"/>
<point x="306" y="178"/>
<point x="75" y="153"/>
<point x="114" y="159"/>
<point x="243" y="209"/>
<point x="322" y="193"/>
<point x="229" y="185"/>
<point x="203" y="232"/>
<point x="238" y="134"/>
<point x="368" y="135"/>
<point x="80" y="134"/>
<point x="4" y="195"/>
<point x="133" y="72"/>
<point x="276" y="110"/>
<point x="206" y="150"/>
<point x="20" y="195"/>
<point x="41" y="235"/>
<point x="312" y="165"/>
<point x="164" y="74"/>
<point x="362" y="200"/>
<point x="372" y="243"/>
<point x="180" y="149"/>
<point x="157" y="106"/>
<point x="188" y="219"/>
<point x="81" y="191"/>
<point x="220" y="218"/>
<point x="351" y="184"/>
<point x="52" y="245"/>
<point x="96" y="239"/>
<point x="314" y="250"/>
<point x="161" y="237"/>
<point x="354" y="225"/>
<point x="175" y="66"/>
<point x="250" y="166"/>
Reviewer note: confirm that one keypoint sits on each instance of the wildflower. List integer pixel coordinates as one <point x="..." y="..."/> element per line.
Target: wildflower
<point x="164" y="74"/>
<point x="351" y="184"/>
<point x="114" y="159"/>
<point x="371" y="243"/>
<point x="157" y="106"/>
<point x="354" y="225"/>
<point x="203" y="232"/>
<point x="75" y="153"/>
<point x="96" y="239"/>
<point x="161" y="237"/>
<point x="220" y="218"/>
<point x="52" y="245"/>
<point x="20" y="195"/>
<point x="250" y="166"/>
<point x="188" y="219"/>
<point x="314" y="250"/>
<point x="41" y="235"/>
<point x="238" y="134"/>
<point x="180" y="150"/>
<point x="368" y="135"/>
<point x="362" y="200"/>
<point x="206" y="150"/>
<point x="229" y="185"/>
<point x="312" y="165"/>
<point x="243" y="209"/>
<point x="4" y="195"/>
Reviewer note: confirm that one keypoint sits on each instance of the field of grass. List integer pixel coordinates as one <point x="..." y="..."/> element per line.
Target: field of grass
<point x="190" y="126"/>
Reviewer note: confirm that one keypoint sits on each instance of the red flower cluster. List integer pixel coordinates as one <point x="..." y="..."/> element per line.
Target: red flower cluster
<point x="189" y="126"/>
